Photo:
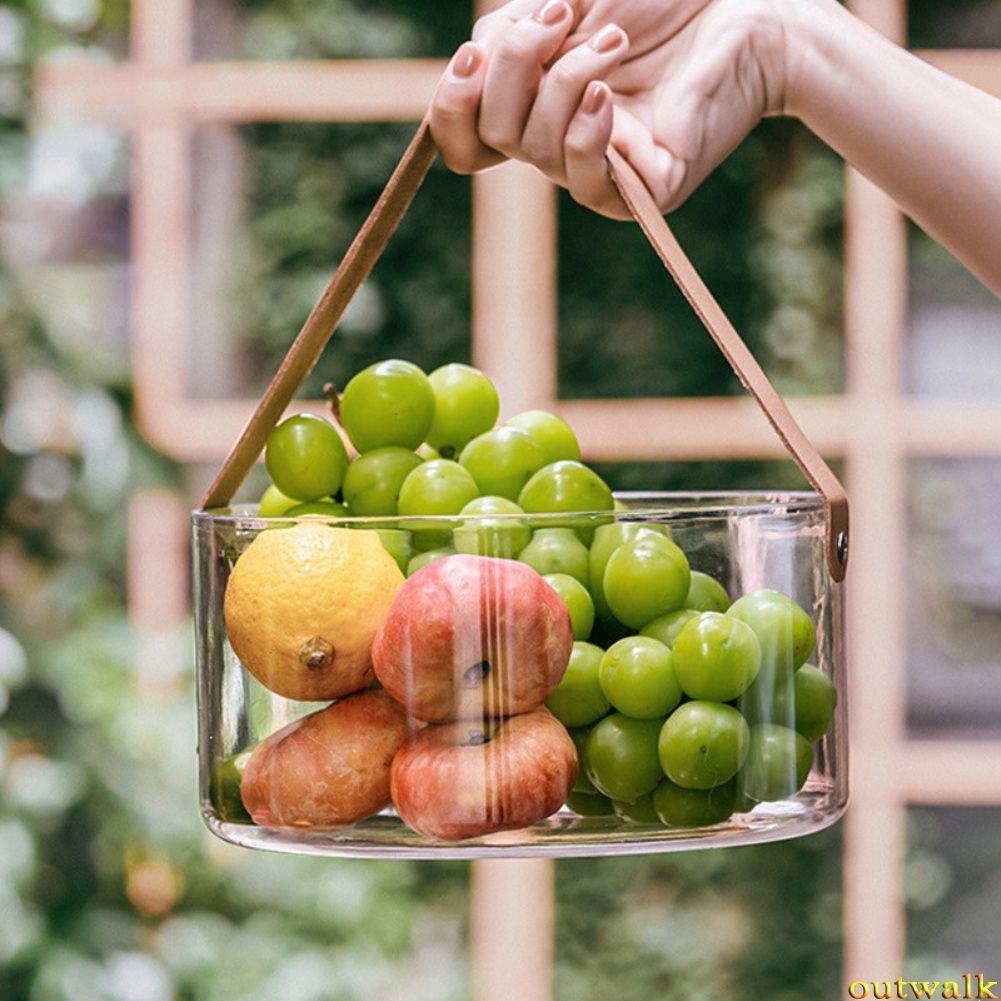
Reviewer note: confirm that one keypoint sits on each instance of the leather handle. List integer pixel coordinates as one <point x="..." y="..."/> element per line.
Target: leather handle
<point x="645" y="211"/>
<point x="368" y="245"/>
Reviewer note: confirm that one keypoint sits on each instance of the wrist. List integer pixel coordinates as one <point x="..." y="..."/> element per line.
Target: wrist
<point x="814" y="34"/>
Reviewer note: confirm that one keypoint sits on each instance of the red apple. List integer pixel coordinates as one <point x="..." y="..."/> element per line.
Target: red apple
<point x="456" y="781"/>
<point x="329" y="768"/>
<point x="470" y="637"/>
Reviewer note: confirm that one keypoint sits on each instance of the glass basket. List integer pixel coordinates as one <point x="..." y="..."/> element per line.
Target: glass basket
<point x="675" y="729"/>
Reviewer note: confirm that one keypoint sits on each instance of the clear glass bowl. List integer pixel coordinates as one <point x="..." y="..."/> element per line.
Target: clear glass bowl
<point x="468" y="650"/>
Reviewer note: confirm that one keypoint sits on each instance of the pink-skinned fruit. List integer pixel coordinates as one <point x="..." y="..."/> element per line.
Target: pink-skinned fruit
<point x="455" y="780"/>
<point x="473" y="637"/>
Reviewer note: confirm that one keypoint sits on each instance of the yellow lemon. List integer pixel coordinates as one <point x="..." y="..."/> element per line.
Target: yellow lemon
<point x="302" y="607"/>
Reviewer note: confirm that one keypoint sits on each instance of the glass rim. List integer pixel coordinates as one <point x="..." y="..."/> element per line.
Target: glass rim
<point x="675" y="505"/>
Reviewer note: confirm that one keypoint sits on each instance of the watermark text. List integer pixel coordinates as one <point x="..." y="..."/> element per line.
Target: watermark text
<point x="971" y="986"/>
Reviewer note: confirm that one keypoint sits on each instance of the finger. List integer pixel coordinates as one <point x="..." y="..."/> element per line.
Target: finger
<point x="587" y="139"/>
<point x="454" y="110"/>
<point x="660" y="168"/>
<point x="489" y="27"/>
<point x="560" y="96"/>
<point x="514" y="69"/>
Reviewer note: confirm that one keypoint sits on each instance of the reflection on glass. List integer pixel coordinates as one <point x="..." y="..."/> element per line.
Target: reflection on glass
<point x="953" y="883"/>
<point x="954" y="601"/>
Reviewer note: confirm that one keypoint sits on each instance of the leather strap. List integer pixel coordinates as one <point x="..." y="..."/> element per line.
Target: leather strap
<point x="368" y="246"/>
<point x="641" y="204"/>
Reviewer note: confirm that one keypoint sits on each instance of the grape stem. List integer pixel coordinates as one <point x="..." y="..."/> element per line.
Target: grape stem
<point x="333" y="398"/>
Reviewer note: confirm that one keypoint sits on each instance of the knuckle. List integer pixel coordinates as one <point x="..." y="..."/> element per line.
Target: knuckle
<point x="578" y="144"/>
<point x="498" y="138"/>
<point x="485" y="25"/>
<point x="517" y="46"/>
<point x="451" y="106"/>
<point x="538" y="154"/>
<point x="566" y="74"/>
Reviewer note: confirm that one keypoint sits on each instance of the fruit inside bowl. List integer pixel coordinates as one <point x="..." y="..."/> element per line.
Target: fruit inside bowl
<point x="459" y="641"/>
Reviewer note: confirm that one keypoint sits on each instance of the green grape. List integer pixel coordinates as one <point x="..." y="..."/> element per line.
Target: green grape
<point x="769" y="698"/>
<point x="814" y="700"/>
<point x="389" y="403"/>
<point x="465" y="405"/>
<point x="716" y="657"/>
<point x="666" y="627"/>
<point x="273" y="503"/>
<point x="608" y="538"/>
<point x="431" y="533"/>
<point x="327" y="508"/>
<point x="778" y="763"/>
<point x="577" y="598"/>
<point x="551" y="432"/>
<point x="426" y="452"/>
<point x="621" y="756"/>
<point x="703" y="744"/>
<point x="579" y="699"/>
<point x="777" y="696"/>
<point x="706" y="594"/>
<point x="557" y="550"/>
<point x="224" y="791"/>
<point x="373" y="480"/>
<point x="398" y="544"/>
<point x="428" y="556"/>
<point x="784" y="630"/>
<point x="644" y="579"/>
<point x="565" y="486"/>
<point x="638" y="678"/>
<point x="582" y="783"/>
<point x="503" y="536"/>
<point x="637" y="811"/>
<point x="679" y="807"/>
<point x="305" y="457"/>
<point x="435" y="488"/>
<point x="502" y="461"/>
<point x="590" y="804"/>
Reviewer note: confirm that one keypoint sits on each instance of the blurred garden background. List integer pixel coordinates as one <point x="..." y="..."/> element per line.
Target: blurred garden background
<point x="110" y="887"/>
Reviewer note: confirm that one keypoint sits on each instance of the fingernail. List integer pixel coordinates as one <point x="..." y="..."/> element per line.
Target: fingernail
<point x="553" y="12"/>
<point x="594" y="98"/>
<point x="466" y="61"/>
<point x="610" y="37"/>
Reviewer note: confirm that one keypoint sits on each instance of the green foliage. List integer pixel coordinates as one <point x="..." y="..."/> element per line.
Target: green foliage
<point x="310" y="188"/>
<point x="764" y="232"/>
<point x="960" y="24"/>
<point x="334" y="29"/>
<point x="763" y="921"/>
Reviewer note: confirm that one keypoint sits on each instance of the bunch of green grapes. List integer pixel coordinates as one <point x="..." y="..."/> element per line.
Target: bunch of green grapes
<point x="429" y="453"/>
<point x="704" y="708"/>
<point x="685" y="708"/>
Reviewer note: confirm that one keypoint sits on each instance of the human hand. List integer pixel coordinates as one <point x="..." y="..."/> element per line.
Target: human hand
<point x="674" y="85"/>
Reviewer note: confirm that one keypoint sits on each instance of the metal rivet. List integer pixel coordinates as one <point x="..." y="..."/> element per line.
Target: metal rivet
<point x="842" y="546"/>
